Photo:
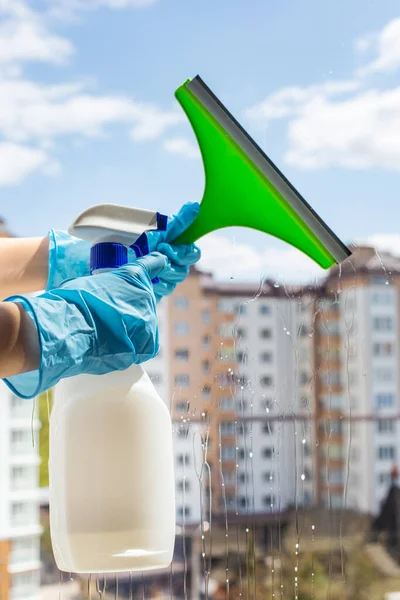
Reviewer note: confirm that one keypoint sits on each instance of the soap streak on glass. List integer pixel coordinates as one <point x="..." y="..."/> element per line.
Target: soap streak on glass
<point x="349" y="407"/>
<point x="101" y="590"/>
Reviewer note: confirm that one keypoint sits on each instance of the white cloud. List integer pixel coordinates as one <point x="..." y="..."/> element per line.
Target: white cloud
<point x="16" y="162"/>
<point x="385" y="242"/>
<point x="31" y="111"/>
<point x="342" y="123"/>
<point x="25" y="37"/>
<point x="357" y="133"/>
<point x="288" y="101"/>
<point x="226" y="259"/>
<point x="33" y="116"/>
<point x="182" y="147"/>
<point x="69" y="9"/>
<point x="386" y="44"/>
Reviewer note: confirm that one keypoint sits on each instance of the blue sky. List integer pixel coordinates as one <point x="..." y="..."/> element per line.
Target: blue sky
<point x="87" y="112"/>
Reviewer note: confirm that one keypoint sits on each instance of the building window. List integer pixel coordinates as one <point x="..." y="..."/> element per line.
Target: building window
<point x="206" y="393"/>
<point x="182" y="354"/>
<point x="156" y="378"/>
<point x="264" y="309"/>
<point x="267" y="452"/>
<point x="206" y="341"/>
<point x="25" y="549"/>
<point x="206" y="316"/>
<point x="24" y="584"/>
<point x="183" y="459"/>
<point x="265" y="334"/>
<point x="384" y="375"/>
<point x="183" y="485"/>
<point x="382" y="349"/>
<point x="269" y="500"/>
<point x="328" y="378"/>
<point x="268" y="476"/>
<point x="333" y="451"/>
<point x="240" y="309"/>
<point x="228" y="453"/>
<point x="386" y="452"/>
<point x="21" y="513"/>
<point x="206" y="366"/>
<point x="227" y="404"/>
<point x="226" y="379"/>
<point x="21" y="441"/>
<point x="23" y="478"/>
<point x="242" y="502"/>
<point x="304" y="378"/>
<point x="227" y="428"/>
<point x="181" y="328"/>
<point x="268" y="428"/>
<point x="266" y="381"/>
<point x="382" y="297"/>
<point x="182" y="406"/>
<point x="182" y="380"/>
<point x="240" y="333"/>
<point x="336" y="476"/>
<point x="266" y="357"/>
<point x="384" y="400"/>
<point x="181" y="302"/>
<point x="386" y="426"/>
<point x="242" y="477"/>
<point x="225" y="305"/>
<point x="383" y="323"/>
<point x="229" y="477"/>
<point x="333" y="402"/>
<point x="379" y="280"/>
<point x="335" y="427"/>
<point x="385" y="478"/>
<point x="183" y="511"/>
<point x="241" y="356"/>
<point x="224" y="330"/>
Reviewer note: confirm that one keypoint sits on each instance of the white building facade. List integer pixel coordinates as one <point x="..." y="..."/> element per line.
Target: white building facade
<point x="19" y="497"/>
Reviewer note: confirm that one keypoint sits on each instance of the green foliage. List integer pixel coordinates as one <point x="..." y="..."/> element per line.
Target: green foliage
<point x="45" y="403"/>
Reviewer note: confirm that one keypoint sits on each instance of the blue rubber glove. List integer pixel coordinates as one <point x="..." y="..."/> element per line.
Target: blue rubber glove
<point x="93" y="325"/>
<point x="69" y="257"/>
<point x="180" y="257"/>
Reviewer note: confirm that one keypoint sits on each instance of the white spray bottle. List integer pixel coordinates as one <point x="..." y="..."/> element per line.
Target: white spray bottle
<point x="112" y="493"/>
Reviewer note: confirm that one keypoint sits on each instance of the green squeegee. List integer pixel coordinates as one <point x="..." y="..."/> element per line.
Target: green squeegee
<point x="244" y="188"/>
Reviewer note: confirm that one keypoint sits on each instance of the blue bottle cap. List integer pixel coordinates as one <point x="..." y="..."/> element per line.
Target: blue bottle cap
<point x="108" y="255"/>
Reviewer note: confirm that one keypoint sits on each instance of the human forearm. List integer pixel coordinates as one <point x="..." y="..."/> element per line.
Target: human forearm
<point x="19" y="341"/>
<point x="23" y="265"/>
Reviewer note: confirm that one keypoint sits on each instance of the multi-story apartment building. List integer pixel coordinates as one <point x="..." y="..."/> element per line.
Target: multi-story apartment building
<point x="19" y="498"/>
<point x="366" y="343"/>
<point x="239" y="367"/>
<point x="296" y="389"/>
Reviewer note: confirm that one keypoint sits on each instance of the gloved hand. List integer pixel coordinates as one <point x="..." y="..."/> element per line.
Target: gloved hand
<point x="180" y="257"/>
<point x="69" y="257"/>
<point x="94" y="324"/>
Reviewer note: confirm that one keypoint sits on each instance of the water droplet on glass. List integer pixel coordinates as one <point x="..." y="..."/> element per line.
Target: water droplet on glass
<point x="303" y="477"/>
<point x="247" y="530"/>
<point x="251" y="454"/>
<point x="303" y="441"/>
<point x="276" y="285"/>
